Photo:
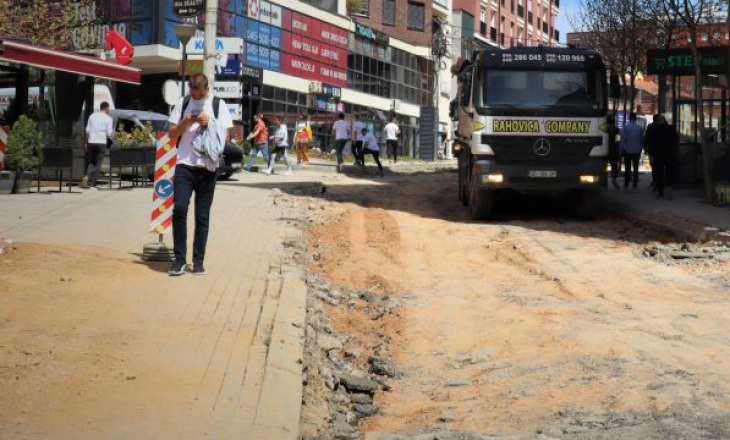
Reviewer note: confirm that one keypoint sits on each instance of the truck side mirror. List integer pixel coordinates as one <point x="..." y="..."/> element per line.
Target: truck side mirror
<point x="615" y="88"/>
<point x="466" y="80"/>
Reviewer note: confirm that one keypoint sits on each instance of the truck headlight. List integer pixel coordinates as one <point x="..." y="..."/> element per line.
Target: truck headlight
<point x="492" y="178"/>
<point x="589" y="179"/>
<point x="599" y="151"/>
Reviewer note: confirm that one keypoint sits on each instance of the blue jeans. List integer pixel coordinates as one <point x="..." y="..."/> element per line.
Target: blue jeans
<point x="264" y="149"/>
<point x="202" y="183"/>
<point x="339" y="146"/>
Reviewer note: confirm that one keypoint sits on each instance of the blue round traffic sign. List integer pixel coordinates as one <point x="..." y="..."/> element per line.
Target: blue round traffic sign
<point x="164" y="189"/>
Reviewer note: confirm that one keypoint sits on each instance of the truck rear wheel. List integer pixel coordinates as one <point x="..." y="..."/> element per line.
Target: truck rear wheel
<point x="481" y="202"/>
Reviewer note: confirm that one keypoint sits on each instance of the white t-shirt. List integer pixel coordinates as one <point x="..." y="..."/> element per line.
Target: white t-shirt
<point x="369" y="141"/>
<point x="99" y="128"/>
<point x="357" y="127"/>
<point x="281" y="136"/>
<point x="391" y="131"/>
<point x="342" y="129"/>
<point x="185" y="153"/>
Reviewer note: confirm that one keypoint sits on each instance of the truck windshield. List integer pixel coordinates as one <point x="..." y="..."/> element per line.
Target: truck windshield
<point x="541" y="89"/>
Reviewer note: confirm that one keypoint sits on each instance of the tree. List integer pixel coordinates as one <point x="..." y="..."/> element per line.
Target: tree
<point x="46" y="23"/>
<point x="693" y="14"/>
<point x="619" y="30"/>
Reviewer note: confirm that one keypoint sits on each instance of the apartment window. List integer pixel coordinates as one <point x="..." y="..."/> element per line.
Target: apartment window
<point x="512" y="6"/>
<point x="705" y="36"/>
<point x="415" y="15"/>
<point x="520" y="11"/>
<point x="364" y="8"/>
<point x="483" y="15"/>
<point x="389" y="12"/>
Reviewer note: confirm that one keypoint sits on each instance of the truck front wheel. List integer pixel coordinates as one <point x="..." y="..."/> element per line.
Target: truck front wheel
<point x="463" y="194"/>
<point x="481" y="201"/>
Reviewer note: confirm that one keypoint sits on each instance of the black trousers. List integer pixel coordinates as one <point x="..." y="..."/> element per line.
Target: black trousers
<point x="94" y="158"/>
<point x="376" y="156"/>
<point x="189" y="180"/>
<point x="662" y="174"/>
<point x="392" y="149"/>
<point x="631" y="169"/>
<point x="357" y="150"/>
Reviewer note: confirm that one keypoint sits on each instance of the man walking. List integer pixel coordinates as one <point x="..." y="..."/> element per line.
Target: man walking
<point x="190" y="120"/>
<point x="650" y="146"/>
<point x="370" y="146"/>
<point x="99" y="128"/>
<point x="392" y="131"/>
<point x="260" y="136"/>
<point x="664" y="153"/>
<point x="342" y="133"/>
<point x="357" y="127"/>
<point x="632" y="140"/>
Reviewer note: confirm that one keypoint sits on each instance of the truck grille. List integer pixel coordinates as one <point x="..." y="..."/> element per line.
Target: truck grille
<point x="523" y="149"/>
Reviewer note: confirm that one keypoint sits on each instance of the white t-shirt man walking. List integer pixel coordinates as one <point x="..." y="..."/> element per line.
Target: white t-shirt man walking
<point x="99" y="128"/>
<point x="392" y="131"/>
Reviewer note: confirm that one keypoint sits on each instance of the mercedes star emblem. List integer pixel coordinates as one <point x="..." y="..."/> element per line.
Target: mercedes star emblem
<point x="541" y="147"/>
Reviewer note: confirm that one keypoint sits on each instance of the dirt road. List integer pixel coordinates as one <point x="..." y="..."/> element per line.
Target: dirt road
<point x="534" y="324"/>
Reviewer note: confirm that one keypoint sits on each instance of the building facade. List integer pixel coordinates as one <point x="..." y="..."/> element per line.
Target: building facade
<point x="504" y="23"/>
<point x="300" y="56"/>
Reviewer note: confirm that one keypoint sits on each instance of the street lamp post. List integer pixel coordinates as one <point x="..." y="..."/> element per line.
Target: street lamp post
<point x="184" y="32"/>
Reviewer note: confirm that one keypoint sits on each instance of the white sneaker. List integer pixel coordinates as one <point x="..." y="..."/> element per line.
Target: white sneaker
<point x="267" y="172"/>
<point x="286" y="173"/>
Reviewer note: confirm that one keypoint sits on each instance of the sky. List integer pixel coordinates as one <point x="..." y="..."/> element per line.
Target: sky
<point x="566" y="7"/>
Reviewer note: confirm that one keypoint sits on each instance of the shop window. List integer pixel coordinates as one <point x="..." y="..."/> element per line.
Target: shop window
<point x="389" y="12"/>
<point x="415" y="16"/>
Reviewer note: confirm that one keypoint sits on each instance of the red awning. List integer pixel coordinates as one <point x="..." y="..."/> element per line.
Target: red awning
<point x="58" y="60"/>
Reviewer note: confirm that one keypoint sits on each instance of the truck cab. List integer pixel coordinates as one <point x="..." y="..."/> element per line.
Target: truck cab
<point x="531" y="120"/>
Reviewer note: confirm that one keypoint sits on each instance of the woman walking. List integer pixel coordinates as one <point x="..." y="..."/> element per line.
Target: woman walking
<point x="280" y="146"/>
<point x="302" y="139"/>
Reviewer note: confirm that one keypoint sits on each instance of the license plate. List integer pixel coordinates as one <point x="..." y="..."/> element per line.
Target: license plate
<point x="237" y="165"/>
<point x="543" y="174"/>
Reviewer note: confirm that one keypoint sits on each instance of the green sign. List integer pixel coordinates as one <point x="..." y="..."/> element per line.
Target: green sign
<point x="681" y="61"/>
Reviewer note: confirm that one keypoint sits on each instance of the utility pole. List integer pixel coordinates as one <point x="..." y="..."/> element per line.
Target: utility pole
<point x="211" y="32"/>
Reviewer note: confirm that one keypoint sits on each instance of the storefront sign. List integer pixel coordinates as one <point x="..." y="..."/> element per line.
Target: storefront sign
<point x="265" y="12"/>
<point x="227" y="45"/>
<point x="371" y="34"/>
<point x="681" y="61"/>
<point x="332" y="91"/>
<point x="188" y="8"/>
<point x="235" y="111"/>
<point x="228" y="89"/>
<point x="252" y="73"/>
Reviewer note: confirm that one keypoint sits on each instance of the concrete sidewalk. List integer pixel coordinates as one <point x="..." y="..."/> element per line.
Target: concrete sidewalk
<point x="686" y="215"/>
<point x="229" y="343"/>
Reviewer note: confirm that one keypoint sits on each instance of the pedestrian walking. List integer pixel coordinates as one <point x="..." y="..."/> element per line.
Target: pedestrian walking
<point x="341" y="128"/>
<point x="356" y="146"/>
<point x="200" y="122"/>
<point x="392" y="131"/>
<point x="99" y="129"/>
<point x="613" y="150"/>
<point x="665" y="153"/>
<point x="650" y="146"/>
<point x="302" y="139"/>
<point x="370" y="146"/>
<point x="281" y="144"/>
<point x="259" y="135"/>
<point x="632" y="141"/>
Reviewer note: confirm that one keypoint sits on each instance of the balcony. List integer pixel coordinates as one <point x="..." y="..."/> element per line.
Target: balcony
<point x="441" y="8"/>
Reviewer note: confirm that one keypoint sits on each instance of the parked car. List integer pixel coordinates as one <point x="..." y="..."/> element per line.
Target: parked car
<point x="128" y="120"/>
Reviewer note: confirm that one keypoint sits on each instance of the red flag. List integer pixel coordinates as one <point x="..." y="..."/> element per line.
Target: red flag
<point x="122" y="48"/>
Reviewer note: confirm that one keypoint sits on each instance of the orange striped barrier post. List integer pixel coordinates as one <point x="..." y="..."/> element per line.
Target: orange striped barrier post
<point x="163" y="198"/>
